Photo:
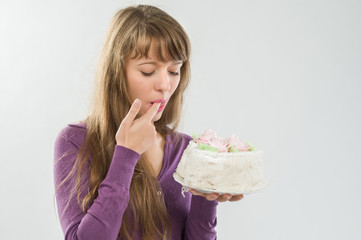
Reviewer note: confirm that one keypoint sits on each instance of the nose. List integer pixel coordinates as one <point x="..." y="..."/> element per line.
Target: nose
<point x="163" y="81"/>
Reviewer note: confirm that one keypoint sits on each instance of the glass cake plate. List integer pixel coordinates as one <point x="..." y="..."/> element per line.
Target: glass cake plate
<point x="186" y="188"/>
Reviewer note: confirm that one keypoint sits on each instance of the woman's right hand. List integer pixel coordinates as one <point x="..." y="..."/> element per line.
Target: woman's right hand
<point x="139" y="134"/>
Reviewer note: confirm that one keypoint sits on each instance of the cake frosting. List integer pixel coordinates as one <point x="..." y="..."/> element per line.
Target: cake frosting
<point x="214" y="164"/>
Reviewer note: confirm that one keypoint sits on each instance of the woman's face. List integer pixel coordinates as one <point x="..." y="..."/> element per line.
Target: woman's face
<point x="151" y="80"/>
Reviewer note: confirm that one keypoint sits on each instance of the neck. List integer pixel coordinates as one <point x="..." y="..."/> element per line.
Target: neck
<point x="159" y="144"/>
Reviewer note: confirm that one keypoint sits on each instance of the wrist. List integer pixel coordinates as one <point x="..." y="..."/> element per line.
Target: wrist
<point x="129" y="147"/>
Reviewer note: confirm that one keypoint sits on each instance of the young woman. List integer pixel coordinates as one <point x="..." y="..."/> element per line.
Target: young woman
<point x="113" y="171"/>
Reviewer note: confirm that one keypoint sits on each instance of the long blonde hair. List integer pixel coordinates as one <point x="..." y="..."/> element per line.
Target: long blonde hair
<point x="130" y="35"/>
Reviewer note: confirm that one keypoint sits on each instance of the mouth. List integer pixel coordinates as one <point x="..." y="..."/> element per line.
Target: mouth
<point x="162" y="104"/>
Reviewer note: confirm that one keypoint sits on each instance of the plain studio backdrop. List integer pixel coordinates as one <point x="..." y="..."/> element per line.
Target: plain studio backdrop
<point x="284" y="75"/>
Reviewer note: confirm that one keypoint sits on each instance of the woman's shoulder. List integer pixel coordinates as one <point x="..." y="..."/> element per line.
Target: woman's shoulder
<point x="66" y="148"/>
<point x="74" y="133"/>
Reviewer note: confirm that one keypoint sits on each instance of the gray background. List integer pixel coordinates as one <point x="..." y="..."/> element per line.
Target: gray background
<point x="283" y="74"/>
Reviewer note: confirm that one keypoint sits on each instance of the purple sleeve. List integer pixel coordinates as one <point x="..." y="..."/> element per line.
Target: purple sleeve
<point x="104" y="217"/>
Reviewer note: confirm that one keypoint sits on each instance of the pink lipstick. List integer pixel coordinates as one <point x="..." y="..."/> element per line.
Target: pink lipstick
<point x="162" y="105"/>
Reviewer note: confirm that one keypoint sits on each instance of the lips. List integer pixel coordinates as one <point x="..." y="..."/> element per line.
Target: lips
<point x="162" y="101"/>
<point x="159" y="100"/>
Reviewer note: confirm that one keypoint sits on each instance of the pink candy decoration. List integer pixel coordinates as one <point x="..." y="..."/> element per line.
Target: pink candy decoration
<point x="207" y="136"/>
<point x="210" y="138"/>
<point x="237" y="144"/>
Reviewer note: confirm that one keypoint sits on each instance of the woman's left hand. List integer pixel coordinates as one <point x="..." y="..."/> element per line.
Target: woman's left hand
<point x="216" y="196"/>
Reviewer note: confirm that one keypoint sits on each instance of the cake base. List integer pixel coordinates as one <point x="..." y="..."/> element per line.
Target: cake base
<point x="186" y="188"/>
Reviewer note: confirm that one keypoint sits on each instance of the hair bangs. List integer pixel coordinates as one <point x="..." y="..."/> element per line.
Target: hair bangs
<point x="169" y="43"/>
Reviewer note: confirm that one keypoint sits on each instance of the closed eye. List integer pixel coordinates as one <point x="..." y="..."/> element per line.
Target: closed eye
<point x="147" y="74"/>
<point x="151" y="73"/>
<point x="174" y="73"/>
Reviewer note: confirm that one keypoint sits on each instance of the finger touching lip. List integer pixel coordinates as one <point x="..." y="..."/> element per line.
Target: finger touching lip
<point x="161" y="101"/>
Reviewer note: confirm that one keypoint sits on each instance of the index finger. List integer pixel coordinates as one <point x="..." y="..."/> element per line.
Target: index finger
<point x="152" y="111"/>
<point x="133" y="111"/>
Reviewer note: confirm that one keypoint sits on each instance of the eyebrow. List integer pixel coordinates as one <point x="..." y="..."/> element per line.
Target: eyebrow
<point x="154" y="63"/>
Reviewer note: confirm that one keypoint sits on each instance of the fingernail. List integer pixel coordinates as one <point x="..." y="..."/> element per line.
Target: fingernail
<point x="136" y="102"/>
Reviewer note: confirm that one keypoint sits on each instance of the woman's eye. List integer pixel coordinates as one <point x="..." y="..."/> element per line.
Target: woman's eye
<point x="174" y="73"/>
<point x="147" y="74"/>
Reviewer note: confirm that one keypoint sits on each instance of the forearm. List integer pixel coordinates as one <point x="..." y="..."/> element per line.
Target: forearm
<point x="104" y="217"/>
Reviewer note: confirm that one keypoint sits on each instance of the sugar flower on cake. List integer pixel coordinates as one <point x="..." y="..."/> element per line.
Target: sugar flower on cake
<point x="236" y="145"/>
<point x="220" y="144"/>
<point x="210" y="142"/>
<point x="206" y="137"/>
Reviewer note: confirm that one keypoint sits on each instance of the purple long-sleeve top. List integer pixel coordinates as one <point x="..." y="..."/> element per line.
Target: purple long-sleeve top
<point x="191" y="217"/>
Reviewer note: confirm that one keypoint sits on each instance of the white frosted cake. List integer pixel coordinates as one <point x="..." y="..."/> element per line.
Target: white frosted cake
<point x="213" y="164"/>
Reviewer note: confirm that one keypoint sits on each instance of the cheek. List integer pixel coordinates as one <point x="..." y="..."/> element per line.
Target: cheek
<point x="174" y="86"/>
<point x="138" y="89"/>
